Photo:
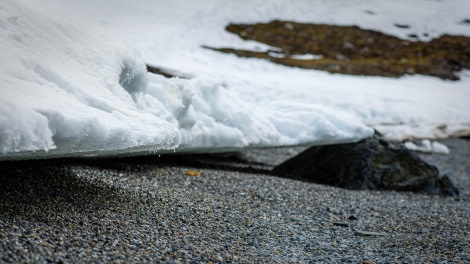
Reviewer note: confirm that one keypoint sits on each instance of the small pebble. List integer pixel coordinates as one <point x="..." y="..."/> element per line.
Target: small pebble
<point x="352" y="217"/>
<point x="340" y="224"/>
<point x="369" y="233"/>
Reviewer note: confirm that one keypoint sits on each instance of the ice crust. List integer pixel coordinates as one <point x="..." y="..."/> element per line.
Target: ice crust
<point x="69" y="87"/>
<point x="75" y="86"/>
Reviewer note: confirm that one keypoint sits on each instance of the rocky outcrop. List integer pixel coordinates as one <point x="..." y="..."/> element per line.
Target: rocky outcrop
<point x="374" y="164"/>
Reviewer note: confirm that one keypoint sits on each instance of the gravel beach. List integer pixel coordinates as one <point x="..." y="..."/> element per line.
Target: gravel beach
<point x="167" y="209"/>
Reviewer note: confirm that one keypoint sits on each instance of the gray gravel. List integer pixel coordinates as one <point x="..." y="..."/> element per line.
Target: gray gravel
<point x="151" y="211"/>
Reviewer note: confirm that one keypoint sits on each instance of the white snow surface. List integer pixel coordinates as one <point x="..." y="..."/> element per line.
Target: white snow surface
<point x="73" y="79"/>
<point x="69" y="86"/>
<point x="428" y="146"/>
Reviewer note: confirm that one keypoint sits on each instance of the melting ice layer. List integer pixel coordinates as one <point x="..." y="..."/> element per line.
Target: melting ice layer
<point x="67" y="85"/>
<point x="70" y="88"/>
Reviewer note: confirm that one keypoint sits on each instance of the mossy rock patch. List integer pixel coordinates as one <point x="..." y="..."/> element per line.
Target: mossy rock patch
<point x="352" y="50"/>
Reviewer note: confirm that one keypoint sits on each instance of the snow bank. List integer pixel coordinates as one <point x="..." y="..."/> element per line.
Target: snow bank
<point x="170" y="34"/>
<point x="406" y="108"/>
<point x="70" y="88"/>
<point x="211" y="116"/>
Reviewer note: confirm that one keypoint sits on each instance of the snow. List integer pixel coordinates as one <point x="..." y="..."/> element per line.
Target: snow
<point x="74" y="86"/>
<point x="295" y="56"/>
<point x="428" y="146"/>
<point x="66" y="85"/>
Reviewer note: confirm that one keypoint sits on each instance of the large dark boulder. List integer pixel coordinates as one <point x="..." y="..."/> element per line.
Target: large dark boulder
<point x="374" y="164"/>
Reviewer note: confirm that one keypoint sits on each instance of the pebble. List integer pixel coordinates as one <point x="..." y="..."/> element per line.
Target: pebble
<point x="297" y="218"/>
<point x="352" y="217"/>
<point x="142" y="211"/>
<point x="369" y="233"/>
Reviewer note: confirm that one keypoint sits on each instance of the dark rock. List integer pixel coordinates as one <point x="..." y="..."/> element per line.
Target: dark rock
<point x="369" y="233"/>
<point x="374" y="164"/>
<point x="402" y="26"/>
<point x="168" y="73"/>
<point x="342" y="224"/>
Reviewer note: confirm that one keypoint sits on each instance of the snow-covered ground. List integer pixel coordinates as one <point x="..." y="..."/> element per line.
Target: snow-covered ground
<point x="70" y="87"/>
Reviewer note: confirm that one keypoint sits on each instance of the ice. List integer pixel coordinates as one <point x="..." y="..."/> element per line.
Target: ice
<point x="428" y="146"/>
<point x="68" y="87"/>
<point x="23" y="129"/>
<point x="71" y="88"/>
<point x="171" y="34"/>
<point x="74" y="87"/>
<point x="211" y="116"/>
